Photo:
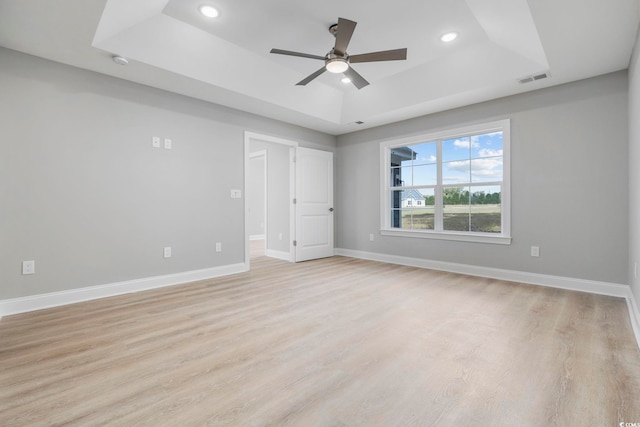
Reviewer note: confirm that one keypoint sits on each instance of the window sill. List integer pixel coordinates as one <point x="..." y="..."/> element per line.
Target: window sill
<point x="444" y="235"/>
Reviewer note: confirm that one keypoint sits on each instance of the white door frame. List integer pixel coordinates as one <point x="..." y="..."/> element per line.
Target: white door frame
<point x="248" y="137"/>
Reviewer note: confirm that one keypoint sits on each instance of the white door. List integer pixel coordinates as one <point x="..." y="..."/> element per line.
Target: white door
<point x="314" y="204"/>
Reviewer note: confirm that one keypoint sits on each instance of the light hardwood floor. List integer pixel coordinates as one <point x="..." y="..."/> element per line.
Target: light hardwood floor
<point x="333" y="342"/>
<point x="256" y="248"/>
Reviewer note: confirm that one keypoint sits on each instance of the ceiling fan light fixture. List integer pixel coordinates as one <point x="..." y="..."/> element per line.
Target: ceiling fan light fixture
<point x="209" y="11"/>
<point x="337" y="65"/>
<point x="338" y="61"/>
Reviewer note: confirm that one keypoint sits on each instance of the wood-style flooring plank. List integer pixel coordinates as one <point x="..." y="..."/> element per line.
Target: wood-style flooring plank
<point x="332" y="342"/>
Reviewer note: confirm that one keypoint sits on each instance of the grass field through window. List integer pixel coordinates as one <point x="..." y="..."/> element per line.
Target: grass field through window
<point x="478" y="218"/>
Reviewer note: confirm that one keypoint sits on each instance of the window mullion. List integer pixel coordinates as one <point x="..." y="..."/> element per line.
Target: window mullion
<point x="438" y="221"/>
<point x="471" y="138"/>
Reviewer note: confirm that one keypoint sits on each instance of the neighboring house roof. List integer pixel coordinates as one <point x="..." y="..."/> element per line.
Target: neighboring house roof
<point x="411" y="194"/>
<point x="399" y="154"/>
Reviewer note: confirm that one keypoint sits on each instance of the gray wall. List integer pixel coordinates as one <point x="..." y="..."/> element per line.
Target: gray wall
<point x="634" y="169"/>
<point x="85" y="195"/>
<point x="568" y="179"/>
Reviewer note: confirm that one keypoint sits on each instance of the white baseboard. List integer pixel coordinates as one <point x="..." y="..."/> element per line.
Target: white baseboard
<point x="634" y="314"/>
<point x="285" y="256"/>
<point x="55" y="299"/>
<point x="256" y="237"/>
<point x="568" y="283"/>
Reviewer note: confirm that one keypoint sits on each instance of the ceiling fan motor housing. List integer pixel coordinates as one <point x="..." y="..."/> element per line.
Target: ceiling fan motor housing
<point x="333" y="29"/>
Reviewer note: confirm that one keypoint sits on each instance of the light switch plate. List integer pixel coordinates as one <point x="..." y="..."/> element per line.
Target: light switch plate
<point x="155" y="142"/>
<point x="167" y="143"/>
<point x="236" y="194"/>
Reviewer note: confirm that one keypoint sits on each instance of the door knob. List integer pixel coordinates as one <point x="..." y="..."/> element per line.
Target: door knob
<point x="330" y="209"/>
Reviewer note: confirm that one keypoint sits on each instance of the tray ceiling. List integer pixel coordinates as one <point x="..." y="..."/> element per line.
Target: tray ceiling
<point x="226" y="60"/>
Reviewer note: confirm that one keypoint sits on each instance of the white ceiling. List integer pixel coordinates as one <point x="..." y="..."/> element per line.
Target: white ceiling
<point x="227" y="60"/>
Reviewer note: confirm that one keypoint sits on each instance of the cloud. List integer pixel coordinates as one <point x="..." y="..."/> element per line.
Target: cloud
<point x="464" y="143"/>
<point x="461" y="166"/>
<point x="487" y="168"/>
<point x="487" y="164"/>
<point x="481" y="168"/>
<point x="487" y="174"/>
<point x="488" y="152"/>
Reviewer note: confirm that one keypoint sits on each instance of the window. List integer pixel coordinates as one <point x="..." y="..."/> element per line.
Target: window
<point x="450" y="185"/>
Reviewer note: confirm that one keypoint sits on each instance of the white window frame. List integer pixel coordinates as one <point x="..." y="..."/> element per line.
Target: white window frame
<point x="503" y="238"/>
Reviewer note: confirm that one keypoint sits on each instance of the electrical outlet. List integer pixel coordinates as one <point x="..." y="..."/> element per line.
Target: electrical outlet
<point x="218" y="247"/>
<point x="371" y="237"/>
<point x="155" y="142"/>
<point x="279" y="236"/>
<point x="167" y="143"/>
<point x="28" y="267"/>
<point x="167" y="252"/>
<point x="535" y="251"/>
<point x="236" y="194"/>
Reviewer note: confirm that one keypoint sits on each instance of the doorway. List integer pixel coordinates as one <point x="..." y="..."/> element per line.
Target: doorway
<point x="278" y="186"/>
<point x="298" y="198"/>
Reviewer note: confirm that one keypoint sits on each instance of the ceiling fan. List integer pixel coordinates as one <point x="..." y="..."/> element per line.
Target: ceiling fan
<point x="338" y="61"/>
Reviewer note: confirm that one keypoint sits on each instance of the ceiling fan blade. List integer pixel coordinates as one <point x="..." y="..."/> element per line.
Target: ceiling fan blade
<point x="291" y="53"/>
<point x="311" y="77"/>
<point x="385" y="55"/>
<point x="343" y="35"/>
<point x="357" y="80"/>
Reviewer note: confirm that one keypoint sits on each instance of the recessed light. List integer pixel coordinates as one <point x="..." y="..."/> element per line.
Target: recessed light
<point x="120" y="60"/>
<point x="209" y="11"/>
<point x="346" y="80"/>
<point x="449" y="37"/>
